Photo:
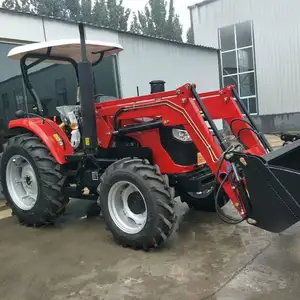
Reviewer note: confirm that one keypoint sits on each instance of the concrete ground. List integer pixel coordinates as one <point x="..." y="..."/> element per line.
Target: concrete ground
<point x="204" y="259"/>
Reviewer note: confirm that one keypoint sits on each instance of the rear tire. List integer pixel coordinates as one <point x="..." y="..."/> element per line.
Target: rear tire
<point x="29" y="169"/>
<point x="130" y="182"/>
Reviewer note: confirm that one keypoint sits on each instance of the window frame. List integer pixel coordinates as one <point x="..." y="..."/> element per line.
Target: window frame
<point x="18" y="43"/>
<point x="236" y="50"/>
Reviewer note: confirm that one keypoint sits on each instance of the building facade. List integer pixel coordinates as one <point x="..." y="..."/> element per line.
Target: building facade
<point x="144" y="59"/>
<point x="259" y="46"/>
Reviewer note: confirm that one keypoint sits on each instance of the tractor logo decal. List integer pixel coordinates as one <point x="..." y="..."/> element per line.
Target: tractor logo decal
<point x="58" y="139"/>
<point x="87" y="141"/>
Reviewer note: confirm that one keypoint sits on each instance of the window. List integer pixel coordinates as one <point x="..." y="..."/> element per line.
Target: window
<point x="56" y="84"/>
<point x="5" y="101"/>
<point x="61" y="92"/>
<point x="11" y="86"/>
<point x="238" y="62"/>
<point x="19" y="99"/>
<point x="227" y="38"/>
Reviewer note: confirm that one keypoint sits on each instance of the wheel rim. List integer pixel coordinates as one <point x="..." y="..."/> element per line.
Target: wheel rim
<point x="203" y="194"/>
<point x="21" y="182"/>
<point x="127" y="207"/>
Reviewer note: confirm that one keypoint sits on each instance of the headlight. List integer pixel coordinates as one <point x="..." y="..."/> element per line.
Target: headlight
<point x="181" y="135"/>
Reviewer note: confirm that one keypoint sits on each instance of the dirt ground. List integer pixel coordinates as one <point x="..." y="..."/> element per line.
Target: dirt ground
<point x="204" y="259"/>
<point x="274" y="140"/>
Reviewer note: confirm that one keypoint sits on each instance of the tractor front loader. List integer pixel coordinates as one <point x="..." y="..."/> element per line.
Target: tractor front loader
<point x="135" y="155"/>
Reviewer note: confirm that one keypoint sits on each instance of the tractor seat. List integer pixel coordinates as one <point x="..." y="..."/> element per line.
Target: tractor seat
<point x="103" y="98"/>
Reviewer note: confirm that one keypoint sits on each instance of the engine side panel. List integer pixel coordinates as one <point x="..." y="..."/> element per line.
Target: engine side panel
<point x="151" y="139"/>
<point x="182" y="153"/>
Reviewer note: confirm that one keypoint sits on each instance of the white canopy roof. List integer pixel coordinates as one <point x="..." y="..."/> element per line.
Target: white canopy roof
<point x="70" y="48"/>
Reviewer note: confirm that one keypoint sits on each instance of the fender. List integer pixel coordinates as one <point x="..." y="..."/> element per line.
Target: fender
<point x="58" y="145"/>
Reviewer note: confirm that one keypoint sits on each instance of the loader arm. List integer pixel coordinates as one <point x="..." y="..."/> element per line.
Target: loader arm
<point x="180" y="107"/>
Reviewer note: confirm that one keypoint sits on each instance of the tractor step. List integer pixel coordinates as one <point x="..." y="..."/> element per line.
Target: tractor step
<point x="75" y="157"/>
<point x="80" y="156"/>
<point x="73" y="192"/>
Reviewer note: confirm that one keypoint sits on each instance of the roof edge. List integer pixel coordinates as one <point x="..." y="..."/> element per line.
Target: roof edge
<point x="204" y="2"/>
<point x="107" y="28"/>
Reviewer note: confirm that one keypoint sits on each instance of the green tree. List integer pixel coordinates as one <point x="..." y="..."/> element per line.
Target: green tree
<point x="171" y="17"/>
<point x="135" y="26"/>
<point x="158" y="20"/>
<point x="143" y="23"/>
<point x="52" y="8"/>
<point x="11" y="4"/>
<point x="26" y="5"/>
<point x="109" y="13"/>
<point x="117" y="14"/>
<point x="19" y="5"/>
<point x="124" y="14"/>
<point x="73" y="9"/>
<point x="190" y="36"/>
<point x="99" y="13"/>
<point x="86" y="10"/>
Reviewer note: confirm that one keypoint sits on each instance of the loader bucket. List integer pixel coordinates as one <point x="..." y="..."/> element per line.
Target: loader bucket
<point x="273" y="184"/>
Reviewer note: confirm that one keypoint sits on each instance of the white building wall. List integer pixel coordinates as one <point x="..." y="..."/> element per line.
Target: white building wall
<point x="145" y="59"/>
<point x="276" y="26"/>
<point x="56" y="29"/>
<point x="20" y="27"/>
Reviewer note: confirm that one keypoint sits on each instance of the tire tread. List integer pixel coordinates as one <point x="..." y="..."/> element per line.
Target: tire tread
<point x="51" y="180"/>
<point x="161" y="193"/>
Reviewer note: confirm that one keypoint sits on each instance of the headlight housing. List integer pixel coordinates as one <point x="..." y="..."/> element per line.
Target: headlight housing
<point x="181" y="135"/>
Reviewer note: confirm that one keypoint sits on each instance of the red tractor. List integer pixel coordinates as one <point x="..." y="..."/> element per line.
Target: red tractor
<point x="136" y="155"/>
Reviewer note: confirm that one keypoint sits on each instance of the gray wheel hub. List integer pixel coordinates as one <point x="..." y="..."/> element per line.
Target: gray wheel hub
<point x="203" y="194"/>
<point x="127" y="207"/>
<point x="21" y="182"/>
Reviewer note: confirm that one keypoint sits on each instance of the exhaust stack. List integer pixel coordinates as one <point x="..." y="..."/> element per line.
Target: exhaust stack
<point x="157" y="86"/>
<point x="89" y="137"/>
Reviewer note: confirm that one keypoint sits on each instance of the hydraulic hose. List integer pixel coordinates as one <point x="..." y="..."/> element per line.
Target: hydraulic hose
<point x="224" y="217"/>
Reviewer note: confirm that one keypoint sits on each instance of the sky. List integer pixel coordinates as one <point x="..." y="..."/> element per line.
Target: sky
<point x="180" y="7"/>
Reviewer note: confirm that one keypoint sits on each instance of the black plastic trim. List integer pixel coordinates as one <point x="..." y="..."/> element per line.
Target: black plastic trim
<point x="192" y="182"/>
<point x="182" y="153"/>
<point x="123" y="151"/>
<point x="137" y="128"/>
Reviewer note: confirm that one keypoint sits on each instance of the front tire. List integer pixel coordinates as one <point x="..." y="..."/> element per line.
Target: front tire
<point x="137" y="204"/>
<point x="32" y="182"/>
